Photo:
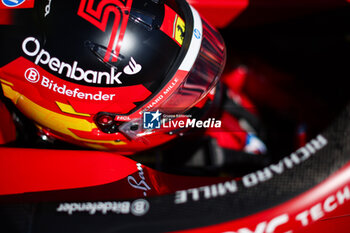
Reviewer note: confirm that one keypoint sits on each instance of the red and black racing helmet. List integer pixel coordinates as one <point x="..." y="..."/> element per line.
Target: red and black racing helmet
<point x="87" y="71"/>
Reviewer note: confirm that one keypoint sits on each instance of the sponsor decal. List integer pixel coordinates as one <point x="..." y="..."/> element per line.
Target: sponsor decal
<point x="32" y="48"/>
<point x="206" y="192"/>
<point x="122" y="118"/>
<point x="12" y="3"/>
<point x="179" y="30"/>
<point x="254" y="178"/>
<point x="266" y="226"/>
<point x="173" y="25"/>
<point x="132" y="68"/>
<point x="160" y="97"/>
<point x="318" y="210"/>
<point x="75" y="93"/>
<point x="95" y="207"/>
<point x="16" y="4"/>
<point x="33" y="76"/>
<point x="166" y="91"/>
<point x="141" y="184"/>
<point x="100" y="13"/>
<point x="138" y="207"/>
<point x="53" y="88"/>
<point x="303" y="218"/>
<point x="197" y="33"/>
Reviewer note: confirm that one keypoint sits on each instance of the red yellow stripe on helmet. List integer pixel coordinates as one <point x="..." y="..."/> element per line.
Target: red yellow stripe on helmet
<point x="57" y="122"/>
<point x="69" y="109"/>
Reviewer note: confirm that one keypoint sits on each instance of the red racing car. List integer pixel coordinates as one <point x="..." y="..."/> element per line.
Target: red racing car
<point x="174" y="116"/>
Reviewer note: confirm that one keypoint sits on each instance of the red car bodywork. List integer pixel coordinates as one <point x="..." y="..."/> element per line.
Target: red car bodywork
<point x="321" y="209"/>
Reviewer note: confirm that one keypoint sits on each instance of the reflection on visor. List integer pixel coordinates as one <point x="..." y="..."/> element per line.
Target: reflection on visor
<point x="203" y="76"/>
<point x="201" y="79"/>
